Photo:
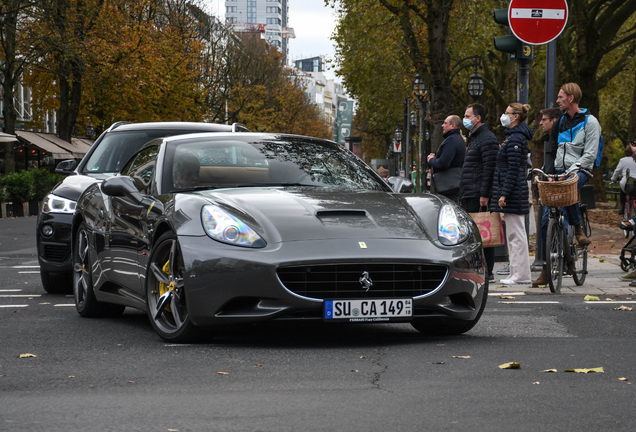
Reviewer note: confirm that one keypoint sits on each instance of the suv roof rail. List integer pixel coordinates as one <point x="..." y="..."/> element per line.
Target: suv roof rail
<point x="116" y="125"/>
<point x="238" y="127"/>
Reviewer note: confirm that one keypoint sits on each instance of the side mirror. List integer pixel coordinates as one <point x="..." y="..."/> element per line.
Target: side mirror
<point x="122" y="186"/>
<point x="66" y="167"/>
<point x="400" y="184"/>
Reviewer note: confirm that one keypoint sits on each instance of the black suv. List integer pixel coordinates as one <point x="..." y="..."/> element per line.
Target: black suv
<point x="106" y="157"/>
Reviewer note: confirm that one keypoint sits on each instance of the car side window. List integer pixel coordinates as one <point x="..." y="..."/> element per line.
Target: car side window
<point x="142" y="168"/>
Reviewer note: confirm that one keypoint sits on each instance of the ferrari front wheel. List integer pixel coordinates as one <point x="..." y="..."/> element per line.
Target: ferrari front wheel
<point x="166" y="295"/>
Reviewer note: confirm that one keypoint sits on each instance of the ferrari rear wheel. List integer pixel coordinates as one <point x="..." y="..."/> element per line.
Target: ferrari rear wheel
<point x="166" y="295"/>
<point x="85" y="302"/>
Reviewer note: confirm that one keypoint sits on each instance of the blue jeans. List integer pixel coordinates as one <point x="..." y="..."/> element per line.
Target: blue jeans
<point x="572" y="213"/>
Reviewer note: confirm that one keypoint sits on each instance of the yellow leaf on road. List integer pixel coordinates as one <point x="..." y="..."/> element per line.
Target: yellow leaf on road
<point x="461" y="357"/>
<point x="598" y="370"/>
<point x="601" y="260"/>
<point x="223" y="373"/>
<point x="609" y="299"/>
<point x="511" y="365"/>
<point x="623" y="379"/>
<point x="625" y="308"/>
<point x="591" y="298"/>
<point x="549" y="370"/>
<point x="27" y="355"/>
<point x="507" y="297"/>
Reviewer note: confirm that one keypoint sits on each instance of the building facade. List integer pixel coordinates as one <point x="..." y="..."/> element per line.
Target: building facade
<point x="273" y="14"/>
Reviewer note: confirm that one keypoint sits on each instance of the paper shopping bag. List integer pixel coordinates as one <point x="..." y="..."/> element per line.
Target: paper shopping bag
<point x="490" y="228"/>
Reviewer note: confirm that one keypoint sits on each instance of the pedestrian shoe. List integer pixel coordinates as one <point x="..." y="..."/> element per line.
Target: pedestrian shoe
<point x="514" y="282"/>
<point x="629" y="276"/>
<point x="504" y="271"/>
<point x="491" y="278"/>
<point x="581" y="238"/>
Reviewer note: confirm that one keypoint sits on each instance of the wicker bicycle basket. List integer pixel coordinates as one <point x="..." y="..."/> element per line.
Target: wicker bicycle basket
<point x="559" y="193"/>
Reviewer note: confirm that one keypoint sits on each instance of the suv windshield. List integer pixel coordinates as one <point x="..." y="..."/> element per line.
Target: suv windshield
<point x="116" y="148"/>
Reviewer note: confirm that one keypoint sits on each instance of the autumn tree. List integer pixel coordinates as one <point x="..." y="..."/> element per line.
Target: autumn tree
<point x="17" y="49"/>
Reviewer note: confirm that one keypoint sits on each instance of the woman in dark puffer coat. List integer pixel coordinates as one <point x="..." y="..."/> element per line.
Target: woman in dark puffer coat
<point x="510" y="190"/>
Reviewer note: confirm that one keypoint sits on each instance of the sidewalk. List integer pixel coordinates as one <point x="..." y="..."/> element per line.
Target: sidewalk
<point x="602" y="280"/>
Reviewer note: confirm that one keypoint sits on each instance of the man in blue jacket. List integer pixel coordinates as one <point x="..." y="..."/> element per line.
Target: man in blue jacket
<point x="450" y="153"/>
<point x="574" y="139"/>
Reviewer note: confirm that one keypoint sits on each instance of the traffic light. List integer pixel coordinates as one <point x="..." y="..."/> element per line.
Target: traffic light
<point x="517" y="49"/>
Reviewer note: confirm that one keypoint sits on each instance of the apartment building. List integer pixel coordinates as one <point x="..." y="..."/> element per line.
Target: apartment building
<point x="273" y="14"/>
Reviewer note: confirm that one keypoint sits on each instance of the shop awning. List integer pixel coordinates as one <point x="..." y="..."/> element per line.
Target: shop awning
<point x="83" y="141"/>
<point x="7" y="137"/>
<point x="46" y="145"/>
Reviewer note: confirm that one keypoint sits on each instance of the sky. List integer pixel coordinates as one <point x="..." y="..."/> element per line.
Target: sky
<point x="312" y="21"/>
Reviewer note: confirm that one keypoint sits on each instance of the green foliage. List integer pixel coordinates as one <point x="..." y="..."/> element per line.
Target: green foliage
<point x="43" y="181"/>
<point x="18" y="186"/>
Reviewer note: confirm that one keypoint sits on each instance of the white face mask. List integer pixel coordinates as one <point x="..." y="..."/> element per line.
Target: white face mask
<point x="505" y="120"/>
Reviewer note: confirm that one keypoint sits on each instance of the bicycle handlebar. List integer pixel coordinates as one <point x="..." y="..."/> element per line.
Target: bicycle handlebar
<point x="556" y="176"/>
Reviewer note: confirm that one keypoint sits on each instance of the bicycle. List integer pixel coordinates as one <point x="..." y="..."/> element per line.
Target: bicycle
<point x="561" y="244"/>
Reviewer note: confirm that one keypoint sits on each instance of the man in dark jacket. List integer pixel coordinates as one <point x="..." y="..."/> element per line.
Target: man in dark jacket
<point x="548" y="116"/>
<point x="479" y="168"/>
<point x="450" y="153"/>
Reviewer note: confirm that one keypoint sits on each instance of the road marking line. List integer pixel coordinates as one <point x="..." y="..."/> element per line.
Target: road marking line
<point x="19" y="267"/>
<point x="506" y="293"/>
<point x="11" y="290"/>
<point x="21" y="295"/>
<point x="34" y="272"/>
<point x="531" y="302"/>
<point x="13" y="306"/>
<point x="612" y="301"/>
<point x="65" y="304"/>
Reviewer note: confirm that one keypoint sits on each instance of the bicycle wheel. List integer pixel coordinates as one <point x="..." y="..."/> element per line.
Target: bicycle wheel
<point x="554" y="255"/>
<point x="627" y="215"/>
<point x="580" y="265"/>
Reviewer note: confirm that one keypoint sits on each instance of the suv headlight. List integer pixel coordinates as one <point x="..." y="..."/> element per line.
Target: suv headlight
<point x="453" y="226"/>
<point x="55" y="204"/>
<point x="223" y="227"/>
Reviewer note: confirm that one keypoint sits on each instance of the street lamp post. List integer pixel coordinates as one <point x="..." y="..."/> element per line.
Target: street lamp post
<point x="420" y="90"/>
<point x="475" y="85"/>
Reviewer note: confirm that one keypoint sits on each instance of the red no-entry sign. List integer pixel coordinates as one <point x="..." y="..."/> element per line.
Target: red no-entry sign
<point x="537" y="22"/>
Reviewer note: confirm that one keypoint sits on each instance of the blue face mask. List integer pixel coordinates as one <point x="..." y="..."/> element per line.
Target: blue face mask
<point x="468" y="124"/>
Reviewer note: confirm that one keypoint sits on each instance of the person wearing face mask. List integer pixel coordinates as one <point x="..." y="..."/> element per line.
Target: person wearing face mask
<point x="510" y="190"/>
<point x="478" y="169"/>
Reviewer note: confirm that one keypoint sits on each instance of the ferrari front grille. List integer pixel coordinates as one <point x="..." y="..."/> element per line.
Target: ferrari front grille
<point x="368" y="280"/>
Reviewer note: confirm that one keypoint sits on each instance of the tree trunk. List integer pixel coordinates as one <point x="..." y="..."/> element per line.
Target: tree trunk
<point x="631" y="126"/>
<point x="8" y="82"/>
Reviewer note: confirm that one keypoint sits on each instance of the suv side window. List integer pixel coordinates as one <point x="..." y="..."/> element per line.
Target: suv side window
<point x="142" y="169"/>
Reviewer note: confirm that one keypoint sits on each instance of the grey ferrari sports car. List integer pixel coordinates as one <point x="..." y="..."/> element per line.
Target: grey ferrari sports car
<point x="211" y="230"/>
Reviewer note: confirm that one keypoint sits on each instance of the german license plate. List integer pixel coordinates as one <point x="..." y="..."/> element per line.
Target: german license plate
<point x="369" y="310"/>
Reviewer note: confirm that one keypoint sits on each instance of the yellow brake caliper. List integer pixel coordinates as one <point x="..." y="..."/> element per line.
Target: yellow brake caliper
<point x="163" y="288"/>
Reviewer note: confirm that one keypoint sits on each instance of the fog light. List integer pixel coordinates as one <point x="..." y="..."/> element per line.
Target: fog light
<point x="47" y="230"/>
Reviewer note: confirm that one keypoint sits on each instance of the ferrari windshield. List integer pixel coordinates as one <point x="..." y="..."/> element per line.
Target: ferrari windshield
<point x="213" y="162"/>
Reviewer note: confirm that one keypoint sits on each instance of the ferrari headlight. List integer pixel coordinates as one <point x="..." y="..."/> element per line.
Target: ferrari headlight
<point x="453" y="226"/>
<point x="223" y="227"/>
<point x="55" y="204"/>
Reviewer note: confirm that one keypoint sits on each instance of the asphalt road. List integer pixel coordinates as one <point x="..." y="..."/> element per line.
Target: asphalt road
<point x="116" y="374"/>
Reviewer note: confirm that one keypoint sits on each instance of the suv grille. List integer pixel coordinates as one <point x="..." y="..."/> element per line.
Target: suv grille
<point x="56" y="253"/>
<point x="341" y="281"/>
